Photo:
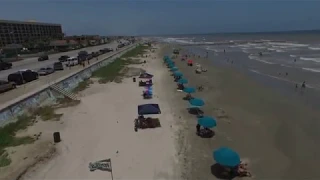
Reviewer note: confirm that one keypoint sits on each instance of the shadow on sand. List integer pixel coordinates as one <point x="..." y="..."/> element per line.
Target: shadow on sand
<point x="221" y="172"/>
<point x="195" y="111"/>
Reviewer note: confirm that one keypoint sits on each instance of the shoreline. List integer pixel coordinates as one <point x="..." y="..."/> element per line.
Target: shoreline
<point x="251" y="115"/>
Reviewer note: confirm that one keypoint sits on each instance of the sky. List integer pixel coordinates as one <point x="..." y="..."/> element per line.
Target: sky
<point x="165" y="17"/>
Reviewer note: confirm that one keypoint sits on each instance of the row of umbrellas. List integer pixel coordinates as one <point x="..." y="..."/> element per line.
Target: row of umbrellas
<point x="224" y="156"/>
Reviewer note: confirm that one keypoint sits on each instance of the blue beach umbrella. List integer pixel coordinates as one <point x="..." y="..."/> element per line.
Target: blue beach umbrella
<point x="182" y="81"/>
<point x="174" y="68"/>
<point x="189" y="90"/>
<point x="207" y="122"/>
<point x="226" y="157"/>
<point x="178" y="74"/>
<point x="196" y="102"/>
<point x="170" y="65"/>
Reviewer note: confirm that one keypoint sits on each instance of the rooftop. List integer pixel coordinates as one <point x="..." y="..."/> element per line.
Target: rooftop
<point x="28" y="22"/>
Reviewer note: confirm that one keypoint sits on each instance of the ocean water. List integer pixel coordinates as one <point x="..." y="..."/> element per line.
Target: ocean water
<point x="291" y="57"/>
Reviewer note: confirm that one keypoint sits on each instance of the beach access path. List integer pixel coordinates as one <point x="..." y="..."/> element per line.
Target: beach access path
<point x="102" y="127"/>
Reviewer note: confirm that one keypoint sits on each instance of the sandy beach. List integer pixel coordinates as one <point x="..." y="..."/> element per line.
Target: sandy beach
<point x="102" y="127"/>
<point x="274" y="134"/>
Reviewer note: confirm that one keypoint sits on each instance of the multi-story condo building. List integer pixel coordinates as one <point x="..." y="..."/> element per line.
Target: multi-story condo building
<point x="22" y="32"/>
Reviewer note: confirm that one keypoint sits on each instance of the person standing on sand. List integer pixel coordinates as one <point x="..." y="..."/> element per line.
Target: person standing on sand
<point x="207" y="55"/>
<point x="296" y="86"/>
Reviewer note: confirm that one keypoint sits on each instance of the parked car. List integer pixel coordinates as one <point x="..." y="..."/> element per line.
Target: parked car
<point x="6" y="86"/>
<point x="63" y="58"/>
<point x="45" y="71"/>
<point x="121" y="45"/>
<point x="23" y="76"/>
<point x="5" y="65"/>
<point x="43" y="58"/>
<point x="58" y="66"/>
<point x="72" y="61"/>
<point x="89" y="56"/>
<point x="109" y="49"/>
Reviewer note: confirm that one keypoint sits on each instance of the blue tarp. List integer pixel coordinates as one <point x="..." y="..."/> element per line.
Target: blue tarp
<point x="145" y="109"/>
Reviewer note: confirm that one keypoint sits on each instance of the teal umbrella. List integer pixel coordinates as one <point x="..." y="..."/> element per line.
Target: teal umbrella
<point x="182" y="81"/>
<point x="189" y="90"/>
<point x="174" y="69"/>
<point x="177" y="74"/>
<point x="196" y="102"/>
<point x="170" y="62"/>
<point x="171" y="66"/>
<point x="207" y="122"/>
<point x="226" y="157"/>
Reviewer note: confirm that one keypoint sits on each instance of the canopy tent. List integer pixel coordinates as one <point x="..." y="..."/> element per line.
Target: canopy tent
<point x="146" y="109"/>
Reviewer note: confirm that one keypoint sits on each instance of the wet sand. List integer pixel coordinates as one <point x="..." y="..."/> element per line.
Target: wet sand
<point x="276" y="135"/>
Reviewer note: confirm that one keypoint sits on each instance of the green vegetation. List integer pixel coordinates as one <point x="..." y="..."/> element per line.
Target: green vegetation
<point x="66" y="102"/>
<point x="8" y="137"/>
<point x="4" y="159"/>
<point x="8" y="132"/>
<point x="139" y="50"/>
<point x="47" y="113"/>
<point x="82" y="85"/>
<point x="113" y="70"/>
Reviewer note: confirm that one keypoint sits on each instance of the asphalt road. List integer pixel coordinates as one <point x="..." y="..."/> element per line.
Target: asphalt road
<point x="34" y="64"/>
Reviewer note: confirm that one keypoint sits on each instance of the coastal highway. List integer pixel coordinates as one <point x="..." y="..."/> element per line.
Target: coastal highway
<point x="34" y="64"/>
<point x="8" y="96"/>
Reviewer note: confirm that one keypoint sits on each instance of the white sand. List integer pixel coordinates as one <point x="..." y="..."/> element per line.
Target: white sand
<point x="102" y="127"/>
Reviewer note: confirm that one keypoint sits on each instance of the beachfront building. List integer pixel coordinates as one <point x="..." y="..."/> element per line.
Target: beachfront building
<point x="88" y="40"/>
<point x="26" y="32"/>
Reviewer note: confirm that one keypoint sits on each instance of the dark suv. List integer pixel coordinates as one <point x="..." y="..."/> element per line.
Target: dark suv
<point x="23" y="76"/>
<point x="43" y="58"/>
<point x="5" y="65"/>
<point x="63" y="58"/>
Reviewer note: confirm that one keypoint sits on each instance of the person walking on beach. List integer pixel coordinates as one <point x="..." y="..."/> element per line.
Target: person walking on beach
<point x="198" y="129"/>
<point x="296" y="87"/>
<point x="303" y="85"/>
<point x="207" y="55"/>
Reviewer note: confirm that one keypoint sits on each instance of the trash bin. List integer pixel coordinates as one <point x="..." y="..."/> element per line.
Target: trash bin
<point x="134" y="79"/>
<point x="56" y="137"/>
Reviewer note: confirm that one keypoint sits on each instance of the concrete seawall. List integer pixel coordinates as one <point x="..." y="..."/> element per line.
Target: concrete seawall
<point x="45" y="96"/>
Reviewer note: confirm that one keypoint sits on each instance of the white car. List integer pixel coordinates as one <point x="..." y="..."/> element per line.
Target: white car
<point x="72" y="61"/>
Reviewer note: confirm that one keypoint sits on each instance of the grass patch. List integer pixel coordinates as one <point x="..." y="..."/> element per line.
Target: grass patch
<point x="66" y="102"/>
<point x="8" y="139"/>
<point x="139" y="50"/>
<point x="82" y="86"/>
<point x="4" y="159"/>
<point x="112" y="71"/>
<point x="47" y="113"/>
